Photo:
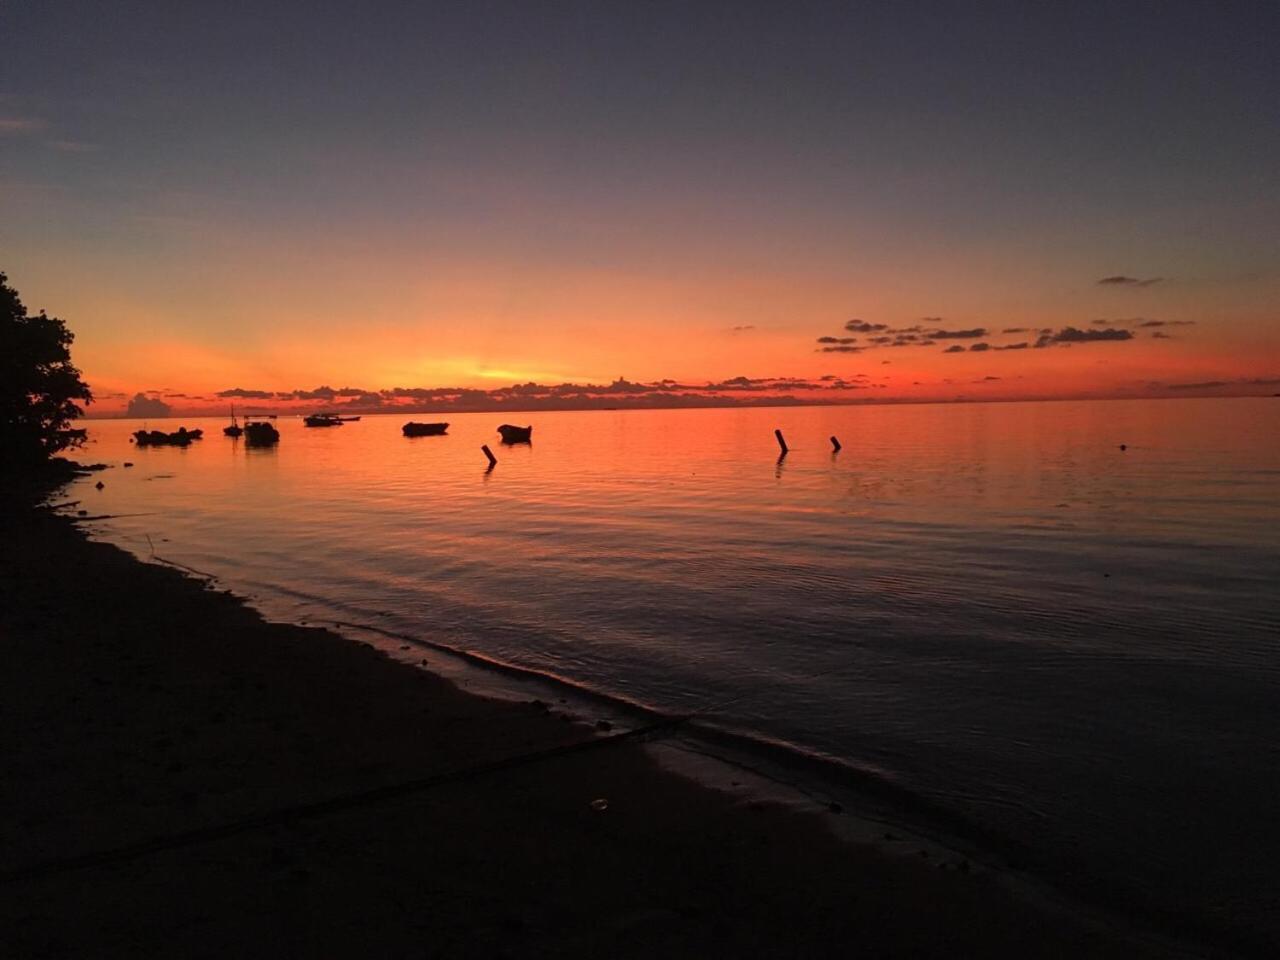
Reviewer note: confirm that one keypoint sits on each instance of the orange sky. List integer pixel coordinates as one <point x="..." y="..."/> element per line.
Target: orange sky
<point x="429" y="198"/>
<point x="264" y="322"/>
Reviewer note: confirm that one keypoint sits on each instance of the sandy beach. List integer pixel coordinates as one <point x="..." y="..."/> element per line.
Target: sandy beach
<point x="184" y="778"/>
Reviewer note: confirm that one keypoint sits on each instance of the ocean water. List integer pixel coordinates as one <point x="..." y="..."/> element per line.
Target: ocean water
<point x="987" y="613"/>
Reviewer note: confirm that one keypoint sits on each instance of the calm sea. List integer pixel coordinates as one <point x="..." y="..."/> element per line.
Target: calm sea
<point x="988" y="611"/>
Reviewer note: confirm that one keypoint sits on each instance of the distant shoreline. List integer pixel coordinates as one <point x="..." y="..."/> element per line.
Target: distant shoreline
<point x="622" y="408"/>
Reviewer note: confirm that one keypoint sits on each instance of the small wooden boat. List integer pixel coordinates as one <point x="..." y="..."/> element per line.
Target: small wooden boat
<point x="322" y="420"/>
<point x="234" y="430"/>
<point x="514" y="434"/>
<point x="414" y="429"/>
<point x="158" y="438"/>
<point x="260" y="433"/>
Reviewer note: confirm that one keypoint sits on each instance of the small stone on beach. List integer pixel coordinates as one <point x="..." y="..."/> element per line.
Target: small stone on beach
<point x="600" y="804"/>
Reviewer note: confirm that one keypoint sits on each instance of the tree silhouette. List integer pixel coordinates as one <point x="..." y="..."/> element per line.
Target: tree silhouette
<point x="39" y="386"/>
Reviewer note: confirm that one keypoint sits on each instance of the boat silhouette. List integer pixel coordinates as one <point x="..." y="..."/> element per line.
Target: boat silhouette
<point x="415" y="429"/>
<point x="513" y="434"/>
<point x="158" y="438"/>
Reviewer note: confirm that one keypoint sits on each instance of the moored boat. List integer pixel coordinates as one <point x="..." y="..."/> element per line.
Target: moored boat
<point x="514" y="434"/>
<point x="260" y="433"/>
<point x="234" y="430"/>
<point x="414" y="429"/>
<point x="322" y="420"/>
<point x="158" y="438"/>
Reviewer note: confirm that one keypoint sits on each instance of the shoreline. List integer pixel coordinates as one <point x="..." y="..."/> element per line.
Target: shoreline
<point x="186" y="711"/>
<point x="410" y="410"/>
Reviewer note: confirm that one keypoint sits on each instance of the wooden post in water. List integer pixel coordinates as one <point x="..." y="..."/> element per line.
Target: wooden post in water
<point x="836" y="444"/>
<point x="493" y="461"/>
<point x="781" y="442"/>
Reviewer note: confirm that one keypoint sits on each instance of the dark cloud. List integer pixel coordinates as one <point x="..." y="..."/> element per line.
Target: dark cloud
<point x="1014" y="330"/>
<point x="988" y="379"/>
<point x="743" y="328"/>
<point x="1212" y="384"/>
<point x="1158" y="335"/>
<point x="845" y="340"/>
<point x="325" y="393"/>
<point x="1075" y="335"/>
<point x="842" y="349"/>
<point x="954" y="348"/>
<point x="143" y="406"/>
<point x="971" y="334"/>
<point x="980" y="347"/>
<point x="1021" y="345"/>
<point x="930" y="319"/>
<point x="620" y="394"/>
<point x="1122" y="281"/>
<point x="1140" y="322"/>
<point x="246" y="394"/>
<point x="861" y="326"/>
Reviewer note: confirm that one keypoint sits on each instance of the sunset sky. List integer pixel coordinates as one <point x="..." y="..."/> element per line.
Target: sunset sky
<point x="423" y="195"/>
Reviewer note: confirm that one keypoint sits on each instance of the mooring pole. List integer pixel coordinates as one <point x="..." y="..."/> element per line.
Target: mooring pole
<point x="493" y="461"/>
<point x="836" y="444"/>
<point x="781" y="442"/>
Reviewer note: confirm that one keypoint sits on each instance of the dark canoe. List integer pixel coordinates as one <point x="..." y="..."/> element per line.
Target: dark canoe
<point x="514" y="434"/>
<point x="321" y="420"/>
<point x="412" y="429"/>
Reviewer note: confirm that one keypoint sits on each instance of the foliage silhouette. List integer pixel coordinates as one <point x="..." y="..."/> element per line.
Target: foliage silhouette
<point x="39" y="385"/>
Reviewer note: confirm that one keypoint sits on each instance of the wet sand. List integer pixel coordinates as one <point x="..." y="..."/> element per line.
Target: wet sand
<point x="183" y="778"/>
